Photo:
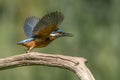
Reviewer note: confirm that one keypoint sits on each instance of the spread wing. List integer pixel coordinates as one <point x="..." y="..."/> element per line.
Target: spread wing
<point x="29" y="25"/>
<point x="47" y="24"/>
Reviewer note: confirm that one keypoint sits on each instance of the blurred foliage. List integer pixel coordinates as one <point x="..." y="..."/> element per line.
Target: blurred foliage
<point x="94" y="23"/>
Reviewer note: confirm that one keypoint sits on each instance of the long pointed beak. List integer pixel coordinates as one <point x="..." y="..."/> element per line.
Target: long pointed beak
<point x="64" y="34"/>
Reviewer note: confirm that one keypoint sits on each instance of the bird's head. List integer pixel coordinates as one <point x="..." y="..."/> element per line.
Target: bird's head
<point x="59" y="33"/>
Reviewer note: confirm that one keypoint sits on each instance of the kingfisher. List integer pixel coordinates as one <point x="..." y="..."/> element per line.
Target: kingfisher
<point x="42" y="31"/>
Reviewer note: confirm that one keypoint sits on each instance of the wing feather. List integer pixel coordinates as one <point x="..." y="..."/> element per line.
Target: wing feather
<point x="47" y="24"/>
<point x="29" y="25"/>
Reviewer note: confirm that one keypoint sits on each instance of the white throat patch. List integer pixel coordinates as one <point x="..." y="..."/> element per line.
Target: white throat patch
<point x="52" y="34"/>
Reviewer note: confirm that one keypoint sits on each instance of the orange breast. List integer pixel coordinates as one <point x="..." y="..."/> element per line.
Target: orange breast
<point x="38" y="43"/>
<point x="43" y="43"/>
<point x="29" y="44"/>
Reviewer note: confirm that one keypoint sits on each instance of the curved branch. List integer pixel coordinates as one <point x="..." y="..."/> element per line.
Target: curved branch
<point x="75" y="64"/>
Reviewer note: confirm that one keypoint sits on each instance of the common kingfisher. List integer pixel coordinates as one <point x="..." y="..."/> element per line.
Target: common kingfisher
<point x="42" y="31"/>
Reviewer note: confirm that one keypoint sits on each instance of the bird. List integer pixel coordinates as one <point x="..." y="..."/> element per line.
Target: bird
<point x="42" y="31"/>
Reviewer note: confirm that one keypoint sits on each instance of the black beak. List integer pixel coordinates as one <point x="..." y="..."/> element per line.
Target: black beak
<point x="64" y="34"/>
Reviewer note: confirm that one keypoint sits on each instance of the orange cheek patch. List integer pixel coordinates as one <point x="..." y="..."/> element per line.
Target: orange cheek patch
<point x="52" y="38"/>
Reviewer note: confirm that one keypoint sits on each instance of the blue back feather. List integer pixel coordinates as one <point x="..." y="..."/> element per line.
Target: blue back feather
<point x="26" y="40"/>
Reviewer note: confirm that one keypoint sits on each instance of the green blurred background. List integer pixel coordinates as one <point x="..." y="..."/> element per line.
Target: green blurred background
<point x="94" y="23"/>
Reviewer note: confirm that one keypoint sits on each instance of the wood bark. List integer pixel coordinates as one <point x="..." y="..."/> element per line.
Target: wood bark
<point x="75" y="64"/>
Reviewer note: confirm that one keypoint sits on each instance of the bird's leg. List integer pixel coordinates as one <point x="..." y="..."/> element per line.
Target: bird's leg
<point x="29" y="49"/>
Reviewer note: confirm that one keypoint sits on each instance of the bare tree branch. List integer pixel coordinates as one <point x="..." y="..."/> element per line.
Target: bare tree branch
<point x="75" y="64"/>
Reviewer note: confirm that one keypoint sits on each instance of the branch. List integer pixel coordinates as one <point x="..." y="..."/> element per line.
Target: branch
<point x="75" y="64"/>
